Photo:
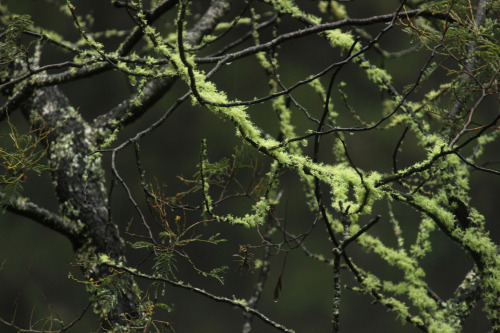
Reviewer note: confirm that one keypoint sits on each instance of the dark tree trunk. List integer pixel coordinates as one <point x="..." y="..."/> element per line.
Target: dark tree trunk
<point x="79" y="178"/>
<point x="79" y="182"/>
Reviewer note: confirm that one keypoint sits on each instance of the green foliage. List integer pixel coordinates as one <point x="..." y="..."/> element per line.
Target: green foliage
<point x="176" y="235"/>
<point x="19" y="155"/>
<point x="165" y="264"/>
<point x="10" y="45"/>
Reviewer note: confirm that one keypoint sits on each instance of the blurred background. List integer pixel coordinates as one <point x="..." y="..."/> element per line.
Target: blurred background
<point x="36" y="262"/>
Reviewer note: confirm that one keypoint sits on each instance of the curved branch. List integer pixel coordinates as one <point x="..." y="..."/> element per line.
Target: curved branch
<point x="44" y="217"/>
<point x="234" y="302"/>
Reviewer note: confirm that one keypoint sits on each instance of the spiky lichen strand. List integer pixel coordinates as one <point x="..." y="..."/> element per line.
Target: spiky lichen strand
<point x="289" y="7"/>
<point x="260" y="209"/>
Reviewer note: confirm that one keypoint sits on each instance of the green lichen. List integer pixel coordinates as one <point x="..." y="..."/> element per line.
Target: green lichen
<point x="376" y="75"/>
<point x="371" y="283"/>
<point x="344" y="40"/>
<point x="105" y="259"/>
<point x="350" y="188"/>
<point x="334" y="8"/>
<point x="289" y="7"/>
<point x="443" y="216"/>
<point x="260" y="209"/>
<point x="400" y="308"/>
<point x="422" y="244"/>
<point x="227" y="25"/>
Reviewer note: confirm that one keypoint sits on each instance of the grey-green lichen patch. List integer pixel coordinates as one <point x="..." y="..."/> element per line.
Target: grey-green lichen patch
<point x="69" y="210"/>
<point x="62" y="149"/>
<point x="105" y="259"/>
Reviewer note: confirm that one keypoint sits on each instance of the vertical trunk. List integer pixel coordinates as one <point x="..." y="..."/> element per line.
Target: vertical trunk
<point x="79" y="182"/>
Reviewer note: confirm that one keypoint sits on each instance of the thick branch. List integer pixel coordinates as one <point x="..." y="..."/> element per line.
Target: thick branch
<point x="79" y="185"/>
<point x="127" y="112"/>
<point x="44" y="217"/>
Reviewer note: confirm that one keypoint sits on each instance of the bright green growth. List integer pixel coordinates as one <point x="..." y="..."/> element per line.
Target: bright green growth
<point x="260" y="210"/>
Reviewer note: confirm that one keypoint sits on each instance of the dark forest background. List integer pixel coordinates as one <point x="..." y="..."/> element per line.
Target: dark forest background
<point x="34" y="280"/>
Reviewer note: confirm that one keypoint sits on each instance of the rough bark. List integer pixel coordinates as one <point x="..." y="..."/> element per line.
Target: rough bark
<point x="78" y="179"/>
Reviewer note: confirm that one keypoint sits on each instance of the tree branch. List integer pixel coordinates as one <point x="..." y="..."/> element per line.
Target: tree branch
<point x="234" y="302"/>
<point x="320" y="28"/>
<point x="127" y="112"/>
<point x="44" y="217"/>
